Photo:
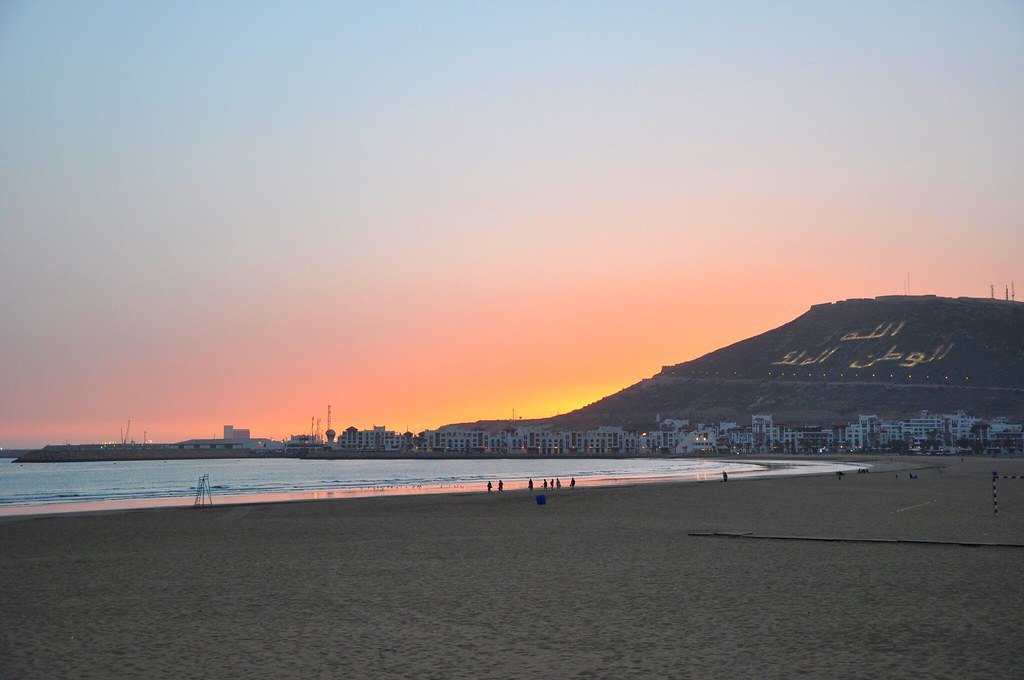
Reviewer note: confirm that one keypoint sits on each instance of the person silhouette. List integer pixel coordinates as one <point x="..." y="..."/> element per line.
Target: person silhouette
<point x="529" y="485"/>
<point x="488" y="487"/>
<point x="501" y="485"/>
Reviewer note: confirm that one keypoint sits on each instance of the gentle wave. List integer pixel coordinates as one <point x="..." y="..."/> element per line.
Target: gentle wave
<point x="48" y="487"/>
<point x="37" y="483"/>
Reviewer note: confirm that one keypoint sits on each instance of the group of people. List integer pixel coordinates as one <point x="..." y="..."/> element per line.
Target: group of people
<point x="555" y="483"/>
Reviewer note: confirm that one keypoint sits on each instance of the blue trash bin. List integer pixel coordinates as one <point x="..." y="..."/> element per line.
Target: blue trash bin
<point x="542" y="499"/>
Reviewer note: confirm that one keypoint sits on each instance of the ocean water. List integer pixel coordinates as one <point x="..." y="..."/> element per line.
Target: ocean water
<point x="42" y="488"/>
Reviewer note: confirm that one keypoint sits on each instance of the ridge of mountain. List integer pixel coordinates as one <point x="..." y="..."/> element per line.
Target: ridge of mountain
<point x="892" y="356"/>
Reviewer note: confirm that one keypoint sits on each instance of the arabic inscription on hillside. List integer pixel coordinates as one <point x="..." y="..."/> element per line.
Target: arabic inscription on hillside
<point x="904" y="359"/>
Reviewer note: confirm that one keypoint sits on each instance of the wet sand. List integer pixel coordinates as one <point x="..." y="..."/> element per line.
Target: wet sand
<point x="608" y="582"/>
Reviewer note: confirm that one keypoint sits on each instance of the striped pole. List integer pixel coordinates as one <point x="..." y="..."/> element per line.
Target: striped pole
<point x="995" y="503"/>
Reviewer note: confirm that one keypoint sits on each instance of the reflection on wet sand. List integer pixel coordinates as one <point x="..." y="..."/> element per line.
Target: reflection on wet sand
<point x="759" y="468"/>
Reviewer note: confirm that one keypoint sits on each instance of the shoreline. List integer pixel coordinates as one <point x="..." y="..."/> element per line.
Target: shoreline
<point x="88" y="453"/>
<point x="786" y="467"/>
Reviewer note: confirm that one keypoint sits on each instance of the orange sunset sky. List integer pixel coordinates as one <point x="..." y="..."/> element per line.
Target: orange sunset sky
<point x="425" y="213"/>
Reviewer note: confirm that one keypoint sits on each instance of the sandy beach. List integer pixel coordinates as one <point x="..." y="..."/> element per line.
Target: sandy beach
<point x="599" y="582"/>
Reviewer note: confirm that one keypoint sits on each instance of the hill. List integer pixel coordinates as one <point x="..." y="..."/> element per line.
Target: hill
<point x="891" y="356"/>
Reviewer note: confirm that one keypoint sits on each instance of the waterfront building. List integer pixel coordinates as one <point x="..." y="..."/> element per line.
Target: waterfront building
<point x="948" y="433"/>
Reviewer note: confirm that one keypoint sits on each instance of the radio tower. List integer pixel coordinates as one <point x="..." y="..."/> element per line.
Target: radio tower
<point x="331" y="434"/>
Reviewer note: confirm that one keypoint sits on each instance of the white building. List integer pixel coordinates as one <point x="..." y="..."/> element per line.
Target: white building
<point x="700" y="442"/>
<point x="377" y="439"/>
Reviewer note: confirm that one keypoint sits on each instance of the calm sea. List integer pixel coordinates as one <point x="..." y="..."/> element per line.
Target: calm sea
<point x="40" y="488"/>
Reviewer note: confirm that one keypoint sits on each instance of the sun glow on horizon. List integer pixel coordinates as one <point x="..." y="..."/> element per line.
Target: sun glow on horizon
<point x="441" y="215"/>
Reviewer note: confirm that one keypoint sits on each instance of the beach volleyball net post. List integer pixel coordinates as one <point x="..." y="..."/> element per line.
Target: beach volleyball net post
<point x="995" y="501"/>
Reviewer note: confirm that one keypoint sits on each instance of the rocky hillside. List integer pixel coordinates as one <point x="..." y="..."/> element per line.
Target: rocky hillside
<point x="891" y="356"/>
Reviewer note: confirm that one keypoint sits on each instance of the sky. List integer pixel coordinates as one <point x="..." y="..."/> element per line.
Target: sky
<point x="434" y="212"/>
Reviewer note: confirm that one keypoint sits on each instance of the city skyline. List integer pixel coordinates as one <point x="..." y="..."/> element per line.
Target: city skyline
<point x="434" y="213"/>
